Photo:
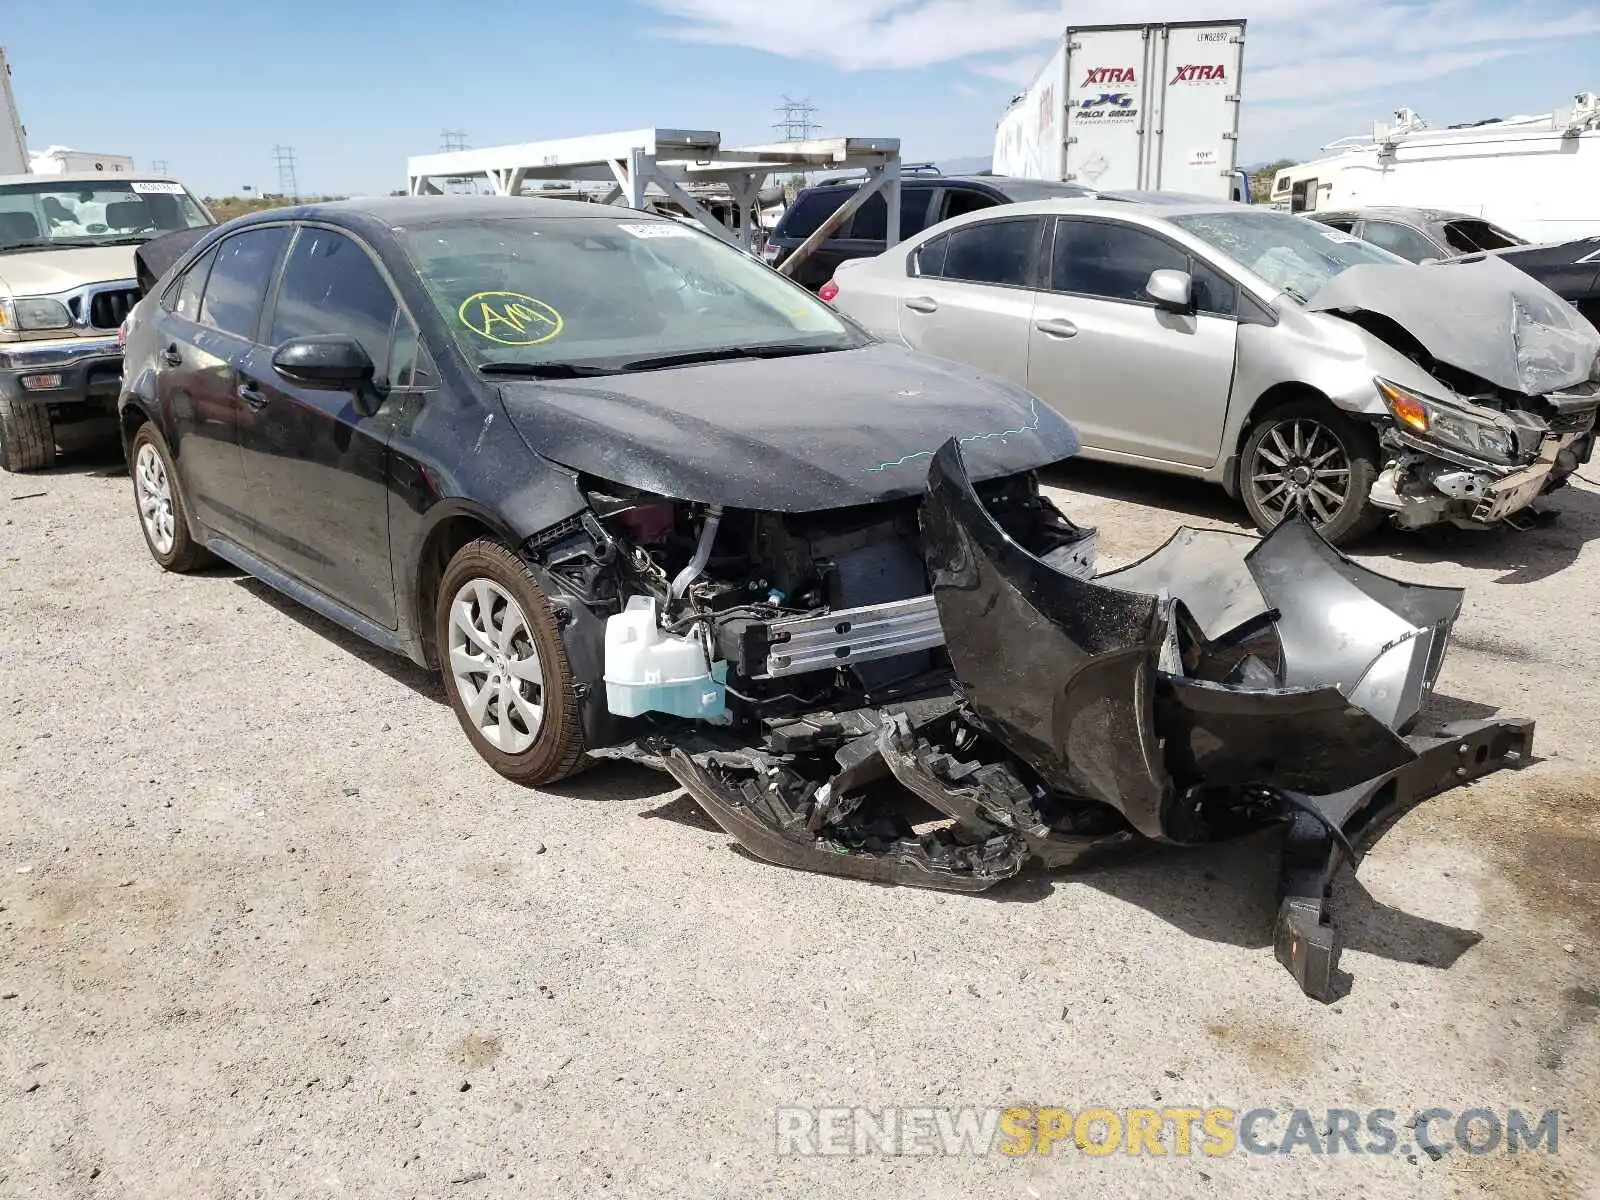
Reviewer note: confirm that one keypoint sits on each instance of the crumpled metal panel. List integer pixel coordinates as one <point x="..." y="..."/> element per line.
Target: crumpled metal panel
<point x="1482" y="315"/>
<point x="1061" y="670"/>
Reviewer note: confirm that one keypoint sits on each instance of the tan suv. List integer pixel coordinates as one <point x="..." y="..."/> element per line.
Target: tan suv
<point x="66" y="281"/>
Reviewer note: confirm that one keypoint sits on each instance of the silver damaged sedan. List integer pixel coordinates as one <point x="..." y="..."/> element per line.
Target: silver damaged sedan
<point x="1301" y="369"/>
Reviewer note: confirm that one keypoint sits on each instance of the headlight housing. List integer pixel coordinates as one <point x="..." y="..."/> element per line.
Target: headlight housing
<point x="33" y="313"/>
<point x="1430" y="418"/>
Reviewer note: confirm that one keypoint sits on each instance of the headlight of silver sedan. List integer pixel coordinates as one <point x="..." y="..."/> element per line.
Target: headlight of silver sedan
<point x="1447" y="423"/>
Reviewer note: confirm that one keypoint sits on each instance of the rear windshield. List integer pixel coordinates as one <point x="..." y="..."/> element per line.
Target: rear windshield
<point x="809" y="211"/>
<point x="1469" y="237"/>
<point x="871" y="221"/>
<point x="126" y="212"/>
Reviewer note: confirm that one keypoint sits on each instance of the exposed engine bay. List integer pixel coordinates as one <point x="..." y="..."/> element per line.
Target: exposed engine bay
<point x="939" y="691"/>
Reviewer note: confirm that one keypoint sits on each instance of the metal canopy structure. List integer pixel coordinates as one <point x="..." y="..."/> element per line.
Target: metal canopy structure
<point x="674" y="160"/>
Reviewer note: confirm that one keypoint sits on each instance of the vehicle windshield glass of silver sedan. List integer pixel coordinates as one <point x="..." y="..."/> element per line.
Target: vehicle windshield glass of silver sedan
<point x="45" y="215"/>
<point x="598" y="291"/>
<point x="1289" y="252"/>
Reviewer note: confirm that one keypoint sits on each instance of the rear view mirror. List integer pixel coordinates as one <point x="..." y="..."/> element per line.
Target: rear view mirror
<point x="336" y="363"/>
<point x="1171" y="290"/>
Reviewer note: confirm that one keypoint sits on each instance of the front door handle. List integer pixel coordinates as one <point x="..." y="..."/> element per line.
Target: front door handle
<point x="171" y="357"/>
<point x="251" y="395"/>
<point x="1058" y="327"/>
<point x="923" y="304"/>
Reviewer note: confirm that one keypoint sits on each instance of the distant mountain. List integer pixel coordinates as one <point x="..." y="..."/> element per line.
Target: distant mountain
<point x="966" y="166"/>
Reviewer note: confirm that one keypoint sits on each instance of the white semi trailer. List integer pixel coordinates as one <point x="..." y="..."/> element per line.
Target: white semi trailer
<point x="1133" y="107"/>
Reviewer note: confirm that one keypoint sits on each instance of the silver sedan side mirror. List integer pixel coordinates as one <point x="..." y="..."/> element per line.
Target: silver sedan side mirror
<point x="1171" y="290"/>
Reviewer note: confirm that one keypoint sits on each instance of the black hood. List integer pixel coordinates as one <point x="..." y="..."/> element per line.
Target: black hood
<point x="798" y="434"/>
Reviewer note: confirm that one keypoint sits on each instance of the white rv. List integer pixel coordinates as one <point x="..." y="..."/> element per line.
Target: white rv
<point x="1538" y="176"/>
<point x="1133" y="107"/>
<point x="62" y="160"/>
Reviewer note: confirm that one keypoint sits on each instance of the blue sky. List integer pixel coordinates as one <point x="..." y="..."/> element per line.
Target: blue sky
<point x="355" y="86"/>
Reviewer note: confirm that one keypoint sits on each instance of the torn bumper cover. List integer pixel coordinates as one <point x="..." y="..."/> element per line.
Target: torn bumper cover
<point x="1218" y="686"/>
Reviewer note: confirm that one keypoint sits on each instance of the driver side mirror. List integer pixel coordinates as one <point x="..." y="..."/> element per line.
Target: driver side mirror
<point x="333" y="362"/>
<point x="1171" y="290"/>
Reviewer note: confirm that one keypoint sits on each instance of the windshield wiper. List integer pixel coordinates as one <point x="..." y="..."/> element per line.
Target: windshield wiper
<point x="723" y="353"/>
<point x="545" y="370"/>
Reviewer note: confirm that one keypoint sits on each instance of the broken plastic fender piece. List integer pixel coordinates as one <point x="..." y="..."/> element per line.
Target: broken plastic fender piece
<point x="1060" y="670"/>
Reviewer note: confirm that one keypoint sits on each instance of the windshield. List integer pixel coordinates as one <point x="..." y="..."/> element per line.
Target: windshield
<point x="64" y="213"/>
<point x="1292" y="253"/>
<point x="601" y="292"/>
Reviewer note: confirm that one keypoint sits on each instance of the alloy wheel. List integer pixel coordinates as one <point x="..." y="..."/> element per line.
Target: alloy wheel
<point x="155" y="498"/>
<point x="495" y="665"/>
<point x="1301" y="466"/>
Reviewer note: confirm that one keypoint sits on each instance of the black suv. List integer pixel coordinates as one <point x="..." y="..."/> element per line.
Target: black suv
<point x="924" y="200"/>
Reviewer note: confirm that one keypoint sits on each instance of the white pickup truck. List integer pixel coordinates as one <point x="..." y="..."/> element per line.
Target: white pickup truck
<point x="67" y="280"/>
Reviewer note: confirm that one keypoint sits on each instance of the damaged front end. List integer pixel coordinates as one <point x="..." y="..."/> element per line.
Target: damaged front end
<point x="939" y="692"/>
<point x="1508" y="411"/>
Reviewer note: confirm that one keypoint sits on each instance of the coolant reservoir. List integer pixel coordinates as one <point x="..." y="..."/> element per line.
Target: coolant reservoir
<point x="651" y="670"/>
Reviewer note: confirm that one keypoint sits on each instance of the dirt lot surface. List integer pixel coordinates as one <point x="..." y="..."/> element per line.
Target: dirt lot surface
<point x="269" y="928"/>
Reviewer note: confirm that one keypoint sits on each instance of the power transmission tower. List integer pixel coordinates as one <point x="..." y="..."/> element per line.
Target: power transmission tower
<point x="288" y="185"/>
<point x="796" y="120"/>
<point x="159" y="166"/>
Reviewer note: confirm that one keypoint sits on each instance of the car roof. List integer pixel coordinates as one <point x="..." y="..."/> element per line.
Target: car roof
<point x="1425" y="215"/>
<point x="1110" y="206"/>
<point x="90" y="177"/>
<point x="1006" y="185"/>
<point x="417" y="210"/>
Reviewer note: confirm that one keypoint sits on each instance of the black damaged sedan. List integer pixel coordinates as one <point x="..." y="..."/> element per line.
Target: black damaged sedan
<point x="637" y="496"/>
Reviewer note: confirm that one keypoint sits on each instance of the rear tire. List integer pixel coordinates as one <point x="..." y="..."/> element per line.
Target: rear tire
<point x="1308" y="457"/>
<point x="505" y="666"/>
<point x="158" y="501"/>
<point x="27" y="442"/>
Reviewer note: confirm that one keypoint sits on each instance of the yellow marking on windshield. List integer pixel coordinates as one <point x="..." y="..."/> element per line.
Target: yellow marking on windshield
<point x="510" y="318"/>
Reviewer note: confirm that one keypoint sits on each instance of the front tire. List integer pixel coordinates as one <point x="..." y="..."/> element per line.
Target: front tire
<point x="27" y="443"/>
<point x="505" y="666"/>
<point x="163" y="517"/>
<point x="1308" y="457"/>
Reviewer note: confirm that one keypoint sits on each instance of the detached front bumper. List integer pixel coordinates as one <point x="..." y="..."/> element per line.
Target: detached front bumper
<point x="61" y="372"/>
<point x="1219" y="686"/>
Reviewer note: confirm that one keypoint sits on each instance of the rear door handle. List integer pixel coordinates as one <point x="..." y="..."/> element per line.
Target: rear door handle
<point x="923" y="304"/>
<point x="171" y="357"/>
<point x="1057" y="328"/>
<point x="251" y="395"/>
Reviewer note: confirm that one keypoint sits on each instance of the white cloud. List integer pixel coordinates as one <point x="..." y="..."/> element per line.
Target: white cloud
<point x="1298" y="50"/>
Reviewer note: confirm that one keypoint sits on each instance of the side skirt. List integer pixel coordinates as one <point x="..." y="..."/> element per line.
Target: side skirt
<point x="324" y="606"/>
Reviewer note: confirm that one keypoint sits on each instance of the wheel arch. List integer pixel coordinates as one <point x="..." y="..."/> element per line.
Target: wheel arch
<point x="1276" y="396"/>
<point x="447" y="534"/>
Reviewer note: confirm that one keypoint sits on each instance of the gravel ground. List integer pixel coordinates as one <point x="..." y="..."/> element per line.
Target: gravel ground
<point x="269" y="928"/>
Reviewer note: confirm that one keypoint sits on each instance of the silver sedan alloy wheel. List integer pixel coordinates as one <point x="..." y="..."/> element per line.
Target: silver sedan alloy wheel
<point x="495" y="665"/>
<point x="155" y="498"/>
<point x="1301" y="466"/>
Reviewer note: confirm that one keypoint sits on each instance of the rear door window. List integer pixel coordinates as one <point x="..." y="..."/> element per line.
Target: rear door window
<point x="237" y="287"/>
<point x="1469" y="237"/>
<point x="183" y="297"/>
<point x="997" y="252"/>
<point x="809" y="211"/>
<point x="871" y="222"/>
<point x="960" y="201"/>
<point x="1408" y="243"/>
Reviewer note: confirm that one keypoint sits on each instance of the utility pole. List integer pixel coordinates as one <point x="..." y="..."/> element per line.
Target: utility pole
<point x="288" y="185"/>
